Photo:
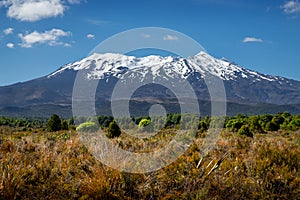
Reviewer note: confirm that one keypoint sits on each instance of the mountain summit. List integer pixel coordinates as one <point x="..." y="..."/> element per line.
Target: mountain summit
<point x="243" y="86"/>
<point x="101" y="65"/>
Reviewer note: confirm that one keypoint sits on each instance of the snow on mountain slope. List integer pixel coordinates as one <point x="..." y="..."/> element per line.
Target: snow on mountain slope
<point x="242" y="86"/>
<point x="101" y="65"/>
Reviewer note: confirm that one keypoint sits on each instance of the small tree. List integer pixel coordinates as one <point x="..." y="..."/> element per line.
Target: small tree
<point x="54" y="123"/>
<point x="113" y="130"/>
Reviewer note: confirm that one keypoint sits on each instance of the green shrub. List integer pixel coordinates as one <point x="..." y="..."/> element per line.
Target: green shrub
<point x="172" y="120"/>
<point x="272" y="126"/>
<point x="144" y="122"/>
<point x="278" y="119"/>
<point x="254" y="124"/>
<point x="203" y="126"/>
<point x="87" y="127"/>
<point x="105" y="120"/>
<point x="245" y="130"/>
<point x="54" y="123"/>
<point x="64" y="125"/>
<point x="234" y="124"/>
<point x="294" y="124"/>
<point x="113" y="130"/>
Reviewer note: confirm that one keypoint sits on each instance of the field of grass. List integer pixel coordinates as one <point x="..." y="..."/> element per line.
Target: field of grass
<point x="37" y="164"/>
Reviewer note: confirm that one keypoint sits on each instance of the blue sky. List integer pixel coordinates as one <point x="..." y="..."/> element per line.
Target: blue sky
<point x="39" y="36"/>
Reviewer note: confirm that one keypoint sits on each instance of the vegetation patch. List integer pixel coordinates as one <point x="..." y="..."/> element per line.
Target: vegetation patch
<point x="249" y="161"/>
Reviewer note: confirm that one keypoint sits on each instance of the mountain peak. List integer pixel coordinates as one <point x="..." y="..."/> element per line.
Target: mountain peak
<point x="115" y="64"/>
<point x="241" y="85"/>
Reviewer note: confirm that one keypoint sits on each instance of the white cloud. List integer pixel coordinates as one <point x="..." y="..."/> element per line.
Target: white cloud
<point x="49" y="37"/>
<point x="97" y="22"/>
<point x="170" y="37"/>
<point x="146" y="35"/>
<point x="74" y="1"/>
<point x="67" y="45"/>
<point x="252" y="39"/>
<point x="10" y="45"/>
<point x="8" y="31"/>
<point x="291" y="7"/>
<point x="90" y="36"/>
<point x="34" y="10"/>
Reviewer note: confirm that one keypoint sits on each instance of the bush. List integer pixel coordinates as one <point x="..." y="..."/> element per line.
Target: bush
<point x="172" y="120"/>
<point x="64" y="125"/>
<point x="294" y="124"/>
<point x="87" y="127"/>
<point x="203" y="126"/>
<point x="234" y="124"/>
<point x="113" y="130"/>
<point x="54" y="123"/>
<point x="104" y="121"/>
<point x="254" y="124"/>
<point x="245" y="130"/>
<point x="144" y="122"/>
<point x="272" y="126"/>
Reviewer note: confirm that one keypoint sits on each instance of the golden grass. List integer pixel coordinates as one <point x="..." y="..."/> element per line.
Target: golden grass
<point x="57" y="165"/>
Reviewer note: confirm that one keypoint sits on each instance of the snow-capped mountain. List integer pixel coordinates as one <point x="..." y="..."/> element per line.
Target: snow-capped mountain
<point x="243" y="86"/>
<point x="103" y="65"/>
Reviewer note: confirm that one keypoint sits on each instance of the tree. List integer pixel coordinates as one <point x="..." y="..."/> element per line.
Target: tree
<point x="113" y="130"/>
<point x="54" y="123"/>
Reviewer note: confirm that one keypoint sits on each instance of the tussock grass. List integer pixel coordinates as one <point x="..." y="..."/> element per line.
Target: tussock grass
<point x="41" y="165"/>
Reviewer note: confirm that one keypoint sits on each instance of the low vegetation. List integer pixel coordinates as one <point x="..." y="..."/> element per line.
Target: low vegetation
<point x="256" y="157"/>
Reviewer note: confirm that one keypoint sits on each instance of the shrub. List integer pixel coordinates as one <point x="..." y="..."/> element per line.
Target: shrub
<point x="104" y="121"/>
<point x="294" y="124"/>
<point x="278" y="119"/>
<point x="54" y="123"/>
<point x="144" y="122"/>
<point x="64" y="125"/>
<point x="203" y="126"/>
<point x="272" y="126"/>
<point x="113" y="130"/>
<point x="235" y="124"/>
<point x="254" y="124"/>
<point x="87" y="127"/>
<point x="245" y="130"/>
<point x="172" y="120"/>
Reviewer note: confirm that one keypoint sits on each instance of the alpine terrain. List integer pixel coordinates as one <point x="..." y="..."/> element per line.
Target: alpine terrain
<point x="247" y="91"/>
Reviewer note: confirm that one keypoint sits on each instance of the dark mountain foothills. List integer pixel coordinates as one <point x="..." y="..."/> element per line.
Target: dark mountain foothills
<point x="247" y="92"/>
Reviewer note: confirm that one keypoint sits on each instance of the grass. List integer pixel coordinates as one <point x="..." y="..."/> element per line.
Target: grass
<point x="38" y="164"/>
